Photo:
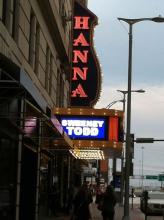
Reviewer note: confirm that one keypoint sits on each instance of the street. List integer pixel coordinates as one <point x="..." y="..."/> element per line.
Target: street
<point x="136" y="202"/>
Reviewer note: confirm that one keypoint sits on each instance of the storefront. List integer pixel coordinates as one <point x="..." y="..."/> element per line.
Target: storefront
<point x="34" y="150"/>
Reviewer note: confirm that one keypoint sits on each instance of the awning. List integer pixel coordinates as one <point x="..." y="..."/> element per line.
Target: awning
<point x="16" y="84"/>
<point x="53" y="135"/>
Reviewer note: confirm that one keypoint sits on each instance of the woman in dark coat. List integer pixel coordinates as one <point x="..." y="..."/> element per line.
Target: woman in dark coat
<point x="109" y="202"/>
<point x="81" y="203"/>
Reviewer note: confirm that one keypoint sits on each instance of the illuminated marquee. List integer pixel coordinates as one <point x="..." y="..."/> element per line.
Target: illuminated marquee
<point x="86" y="79"/>
<point x="85" y="128"/>
<point x="88" y="154"/>
<point x="91" y="128"/>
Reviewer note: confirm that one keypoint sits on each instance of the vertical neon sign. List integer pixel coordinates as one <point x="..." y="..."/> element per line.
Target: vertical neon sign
<point x="86" y="77"/>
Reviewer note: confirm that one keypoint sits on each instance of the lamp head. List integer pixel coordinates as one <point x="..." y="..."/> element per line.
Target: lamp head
<point x="132" y="21"/>
<point x="140" y="91"/>
<point x="158" y="19"/>
<point x="125" y="91"/>
<point x="122" y="91"/>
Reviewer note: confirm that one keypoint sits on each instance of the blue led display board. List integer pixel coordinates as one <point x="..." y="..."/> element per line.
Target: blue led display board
<point x="85" y="127"/>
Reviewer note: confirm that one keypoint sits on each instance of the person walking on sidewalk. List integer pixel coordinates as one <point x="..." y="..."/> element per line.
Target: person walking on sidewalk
<point x="99" y="194"/>
<point x="108" y="203"/>
<point x="81" y="203"/>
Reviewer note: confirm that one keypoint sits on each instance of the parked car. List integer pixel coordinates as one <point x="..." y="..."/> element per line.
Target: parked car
<point x="155" y="203"/>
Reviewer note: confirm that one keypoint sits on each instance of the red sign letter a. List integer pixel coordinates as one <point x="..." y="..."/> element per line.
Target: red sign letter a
<point x="80" y="40"/>
<point x="79" y="91"/>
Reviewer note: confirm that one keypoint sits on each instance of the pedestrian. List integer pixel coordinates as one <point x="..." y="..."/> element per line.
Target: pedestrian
<point x="53" y="200"/>
<point x="108" y="203"/>
<point x="70" y="198"/>
<point x="99" y="194"/>
<point x="91" y="189"/>
<point x="81" y="203"/>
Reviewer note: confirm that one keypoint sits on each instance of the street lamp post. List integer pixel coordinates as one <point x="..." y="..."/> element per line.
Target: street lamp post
<point x="114" y="102"/>
<point x="130" y="22"/>
<point x="142" y="148"/>
<point x="124" y="92"/>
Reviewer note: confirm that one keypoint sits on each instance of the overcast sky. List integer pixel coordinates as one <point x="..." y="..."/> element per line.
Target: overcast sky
<point x="111" y="42"/>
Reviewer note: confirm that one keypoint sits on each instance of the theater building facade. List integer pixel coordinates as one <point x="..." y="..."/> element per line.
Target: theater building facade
<point x="45" y="65"/>
<point x="35" y="65"/>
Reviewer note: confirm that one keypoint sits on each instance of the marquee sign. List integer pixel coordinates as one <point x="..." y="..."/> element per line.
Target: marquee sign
<point x="93" y="129"/>
<point x="86" y="76"/>
<point x="85" y="127"/>
<point x="87" y="154"/>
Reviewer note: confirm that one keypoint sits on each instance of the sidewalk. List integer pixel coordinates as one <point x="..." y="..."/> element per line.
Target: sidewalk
<point x="135" y="214"/>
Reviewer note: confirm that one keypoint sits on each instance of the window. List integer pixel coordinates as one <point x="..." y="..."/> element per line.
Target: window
<point x="3" y="9"/>
<point x="34" y="43"/>
<point x="51" y="70"/>
<point x="13" y="18"/>
<point x="61" y="5"/>
<point x="32" y="39"/>
<point x="47" y="78"/>
<point x="60" y="90"/>
<point x="8" y="15"/>
<point x="37" y="45"/>
<point x="63" y="14"/>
